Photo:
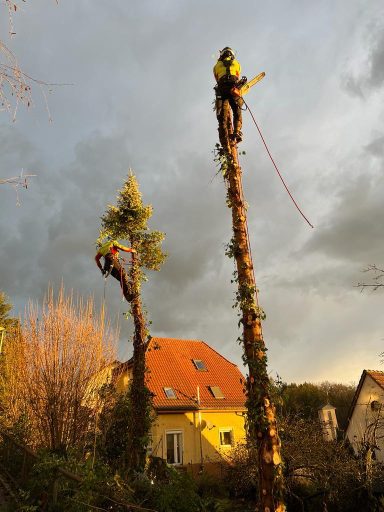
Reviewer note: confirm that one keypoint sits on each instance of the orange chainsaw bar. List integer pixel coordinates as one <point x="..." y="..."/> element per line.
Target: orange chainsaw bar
<point x="245" y="88"/>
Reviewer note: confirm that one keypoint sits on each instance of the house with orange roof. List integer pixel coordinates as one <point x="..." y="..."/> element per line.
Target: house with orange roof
<point x="199" y="402"/>
<point x="365" y="429"/>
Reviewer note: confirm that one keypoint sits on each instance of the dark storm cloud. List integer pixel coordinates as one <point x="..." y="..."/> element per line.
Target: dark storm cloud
<point x="349" y="237"/>
<point x="61" y="222"/>
<point x="370" y="75"/>
<point x="376" y="147"/>
<point x="142" y="98"/>
<point x="376" y="58"/>
<point x="356" y="232"/>
<point x="61" y="232"/>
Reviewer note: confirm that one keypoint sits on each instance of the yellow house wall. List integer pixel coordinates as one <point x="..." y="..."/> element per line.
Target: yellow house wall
<point x="198" y="449"/>
<point x="195" y="451"/>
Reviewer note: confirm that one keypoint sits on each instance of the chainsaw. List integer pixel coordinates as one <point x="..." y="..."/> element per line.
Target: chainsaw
<point x="243" y="86"/>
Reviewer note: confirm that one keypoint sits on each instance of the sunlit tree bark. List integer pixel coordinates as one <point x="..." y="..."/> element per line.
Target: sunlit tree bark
<point x="261" y="420"/>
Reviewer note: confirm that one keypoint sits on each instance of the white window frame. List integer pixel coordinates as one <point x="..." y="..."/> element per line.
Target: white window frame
<point x="175" y="433"/>
<point x="223" y="430"/>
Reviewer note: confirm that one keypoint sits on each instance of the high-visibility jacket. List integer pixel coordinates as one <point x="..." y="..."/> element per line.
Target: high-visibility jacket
<point x="232" y="68"/>
<point x="111" y="247"/>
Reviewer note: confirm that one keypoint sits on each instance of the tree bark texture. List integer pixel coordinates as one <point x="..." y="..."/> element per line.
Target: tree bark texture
<point x="261" y="419"/>
<point x="139" y="396"/>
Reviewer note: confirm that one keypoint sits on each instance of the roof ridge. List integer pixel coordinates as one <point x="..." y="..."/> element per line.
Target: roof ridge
<point x="218" y="353"/>
<point x="160" y="338"/>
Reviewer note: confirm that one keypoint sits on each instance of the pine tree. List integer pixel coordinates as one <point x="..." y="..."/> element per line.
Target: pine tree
<point x="261" y="418"/>
<point x="128" y="220"/>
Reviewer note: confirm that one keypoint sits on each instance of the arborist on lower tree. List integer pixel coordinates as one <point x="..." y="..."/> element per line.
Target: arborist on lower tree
<point x="227" y="72"/>
<point x="110" y="252"/>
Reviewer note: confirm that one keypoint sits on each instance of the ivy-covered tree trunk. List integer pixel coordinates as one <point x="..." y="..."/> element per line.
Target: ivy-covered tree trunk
<point x="261" y="419"/>
<point x="139" y="419"/>
<point x="129" y="221"/>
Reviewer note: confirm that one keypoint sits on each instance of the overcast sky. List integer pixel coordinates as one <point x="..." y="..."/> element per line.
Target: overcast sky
<point x="142" y="98"/>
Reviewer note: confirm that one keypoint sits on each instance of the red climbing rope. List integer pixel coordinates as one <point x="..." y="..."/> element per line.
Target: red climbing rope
<point x="274" y="164"/>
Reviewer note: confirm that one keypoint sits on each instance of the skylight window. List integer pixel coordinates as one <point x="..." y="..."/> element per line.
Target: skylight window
<point x="170" y="393"/>
<point x="200" y="365"/>
<point x="216" y="392"/>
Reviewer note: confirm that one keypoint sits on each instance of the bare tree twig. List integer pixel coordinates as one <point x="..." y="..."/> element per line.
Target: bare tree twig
<point x="21" y="180"/>
<point x="16" y="182"/>
<point x="377" y="278"/>
<point x="15" y="84"/>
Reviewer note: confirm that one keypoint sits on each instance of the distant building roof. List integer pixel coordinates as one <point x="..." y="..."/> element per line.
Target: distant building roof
<point x="185" y="365"/>
<point x="377" y="376"/>
<point x="326" y="407"/>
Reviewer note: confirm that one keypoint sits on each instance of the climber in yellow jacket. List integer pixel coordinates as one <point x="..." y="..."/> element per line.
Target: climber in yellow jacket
<point x="110" y="252"/>
<point x="227" y="72"/>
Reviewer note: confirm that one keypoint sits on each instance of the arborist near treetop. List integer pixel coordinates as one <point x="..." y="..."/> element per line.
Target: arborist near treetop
<point x="227" y="72"/>
<point x="110" y="252"/>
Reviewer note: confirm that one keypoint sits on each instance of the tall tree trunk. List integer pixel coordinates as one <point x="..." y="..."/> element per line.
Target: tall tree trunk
<point x="139" y="422"/>
<point x="261" y="419"/>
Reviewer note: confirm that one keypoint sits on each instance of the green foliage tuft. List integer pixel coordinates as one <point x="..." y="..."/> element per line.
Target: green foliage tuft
<point x="128" y="220"/>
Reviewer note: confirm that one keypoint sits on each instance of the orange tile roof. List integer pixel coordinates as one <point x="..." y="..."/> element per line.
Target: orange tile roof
<point x="377" y="376"/>
<point x="170" y="364"/>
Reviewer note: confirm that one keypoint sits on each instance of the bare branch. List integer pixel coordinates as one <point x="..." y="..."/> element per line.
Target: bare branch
<point x="15" y="84"/>
<point x="16" y="182"/>
<point x="377" y="278"/>
<point x="21" y="180"/>
<point x="53" y="369"/>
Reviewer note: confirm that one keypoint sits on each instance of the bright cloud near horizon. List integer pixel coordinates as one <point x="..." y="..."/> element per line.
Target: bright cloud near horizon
<point x="141" y="98"/>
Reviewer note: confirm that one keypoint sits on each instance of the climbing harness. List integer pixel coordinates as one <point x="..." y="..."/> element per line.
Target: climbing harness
<point x="122" y="262"/>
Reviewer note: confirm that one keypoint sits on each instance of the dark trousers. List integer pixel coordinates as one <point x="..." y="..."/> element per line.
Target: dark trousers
<point x="223" y="92"/>
<point x="113" y="266"/>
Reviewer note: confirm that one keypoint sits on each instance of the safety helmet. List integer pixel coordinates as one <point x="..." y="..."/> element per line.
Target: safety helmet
<point x="226" y="53"/>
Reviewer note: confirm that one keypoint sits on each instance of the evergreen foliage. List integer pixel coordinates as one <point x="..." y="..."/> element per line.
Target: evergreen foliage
<point x="128" y="220"/>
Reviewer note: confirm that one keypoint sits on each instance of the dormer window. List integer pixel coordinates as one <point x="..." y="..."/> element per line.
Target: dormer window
<point x="216" y="392"/>
<point x="170" y="393"/>
<point x="200" y="365"/>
